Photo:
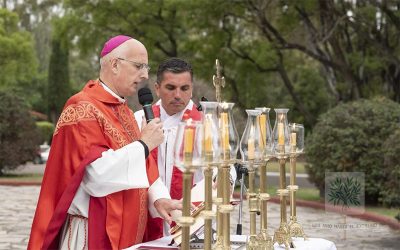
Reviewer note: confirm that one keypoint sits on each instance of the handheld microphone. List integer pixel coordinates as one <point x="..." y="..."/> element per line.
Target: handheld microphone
<point x="203" y="99"/>
<point x="146" y="99"/>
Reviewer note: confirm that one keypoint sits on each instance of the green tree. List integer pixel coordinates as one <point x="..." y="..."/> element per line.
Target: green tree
<point x="18" y="64"/>
<point x="35" y="17"/>
<point x="18" y="135"/>
<point x="59" y="88"/>
<point x="201" y="31"/>
<point x="348" y="51"/>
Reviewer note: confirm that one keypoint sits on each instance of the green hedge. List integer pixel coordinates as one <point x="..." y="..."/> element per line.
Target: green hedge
<point x="46" y="131"/>
<point x="350" y="138"/>
<point x="18" y="134"/>
<point x="390" y="193"/>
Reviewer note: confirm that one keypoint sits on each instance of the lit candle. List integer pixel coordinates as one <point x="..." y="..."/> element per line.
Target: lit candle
<point x="293" y="139"/>
<point x="225" y="131"/>
<point x="188" y="140"/>
<point x="263" y="130"/>
<point x="250" y="148"/>
<point x="207" y="134"/>
<point x="281" y="135"/>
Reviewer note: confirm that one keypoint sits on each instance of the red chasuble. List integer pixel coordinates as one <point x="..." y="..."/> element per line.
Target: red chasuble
<point x="92" y="121"/>
<point x="155" y="225"/>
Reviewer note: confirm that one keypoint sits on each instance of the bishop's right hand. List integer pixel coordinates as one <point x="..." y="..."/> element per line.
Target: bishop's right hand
<point x="152" y="133"/>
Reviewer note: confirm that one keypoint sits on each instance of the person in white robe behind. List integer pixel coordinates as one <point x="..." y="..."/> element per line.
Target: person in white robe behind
<point x="174" y="87"/>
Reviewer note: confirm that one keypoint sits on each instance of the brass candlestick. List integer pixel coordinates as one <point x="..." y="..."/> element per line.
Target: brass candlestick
<point x="189" y="156"/>
<point x="229" y="145"/>
<point x="296" y="230"/>
<point x="281" y="149"/>
<point x="252" y="197"/>
<point x="219" y="244"/>
<point x="219" y="81"/>
<point x="212" y="157"/>
<point x="186" y="220"/>
<point x="282" y="234"/>
<point x="296" y="147"/>
<point x="208" y="214"/>
<point x="265" y="240"/>
<point x="225" y="208"/>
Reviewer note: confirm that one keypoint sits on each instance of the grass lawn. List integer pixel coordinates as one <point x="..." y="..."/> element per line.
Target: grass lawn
<point x="309" y="194"/>
<point x="389" y="212"/>
<point x="312" y="194"/>
<point x="22" y="177"/>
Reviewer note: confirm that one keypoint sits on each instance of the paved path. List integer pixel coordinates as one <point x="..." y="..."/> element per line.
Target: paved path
<point x="18" y="204"/>
<point x="29" y="168"/>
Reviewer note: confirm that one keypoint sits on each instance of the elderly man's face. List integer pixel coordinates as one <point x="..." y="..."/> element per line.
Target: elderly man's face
<point x="132" y="69"/>
<point x="175" y="91"/>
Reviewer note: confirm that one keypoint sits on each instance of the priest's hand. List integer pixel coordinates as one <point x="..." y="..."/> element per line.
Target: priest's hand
<point x="166" y="206"/>
<point x="152" y="133"/>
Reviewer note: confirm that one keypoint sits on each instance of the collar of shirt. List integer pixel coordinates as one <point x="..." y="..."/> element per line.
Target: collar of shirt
<point x="172" y="120"/>
<point x="120" y="99"/>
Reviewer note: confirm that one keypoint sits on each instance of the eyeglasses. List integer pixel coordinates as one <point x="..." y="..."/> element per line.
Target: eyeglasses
<point x="139" y="66"/>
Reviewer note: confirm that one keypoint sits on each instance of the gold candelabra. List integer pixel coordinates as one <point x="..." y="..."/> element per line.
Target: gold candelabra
<point x="219" y="81"/>
<point x="225" y="207"/>
<point x="265" y="240"/>
<point x="282" y="234"/>
<point x="208" y="214"/>
<point x="229" y="146"/>
<point x="219" y="244"/>
<point x="186" y="220"/>
<point x="211" y="160"/>
<point x="252" y="197"/>
<point x="296" y="230"/>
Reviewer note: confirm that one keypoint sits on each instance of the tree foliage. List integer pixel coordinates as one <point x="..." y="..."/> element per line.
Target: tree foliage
<point x="389" y="194"/>
<point x="272" y="51"/>
<point x="18" y="64"/>
<point x="59" y="88"/>
<point x="350" y="138"/>
<point x="46" y="130"/>
<point x="18" y="135"/>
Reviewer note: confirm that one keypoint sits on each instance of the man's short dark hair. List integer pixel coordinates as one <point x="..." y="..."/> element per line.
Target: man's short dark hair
<point x="174" y="65"/>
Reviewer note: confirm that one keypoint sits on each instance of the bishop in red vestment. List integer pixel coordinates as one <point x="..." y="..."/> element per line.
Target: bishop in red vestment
<point x="100" y="179"/>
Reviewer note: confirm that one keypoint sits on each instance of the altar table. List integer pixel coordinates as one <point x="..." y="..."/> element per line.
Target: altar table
<point x="300" y="244"/>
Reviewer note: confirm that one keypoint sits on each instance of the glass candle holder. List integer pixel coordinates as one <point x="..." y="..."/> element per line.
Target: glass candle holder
<point x="228" y="132"/>
<point x="189" y="144"/>
<point x="296" y="138"/>
<point x="266" y="132"/>
<point x="212" y="140"/>
<point x="281" y="133"/>
<point x="251" y="144"/>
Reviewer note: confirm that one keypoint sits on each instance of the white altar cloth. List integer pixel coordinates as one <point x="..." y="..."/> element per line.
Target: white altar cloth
<point x="300" y="244"/>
